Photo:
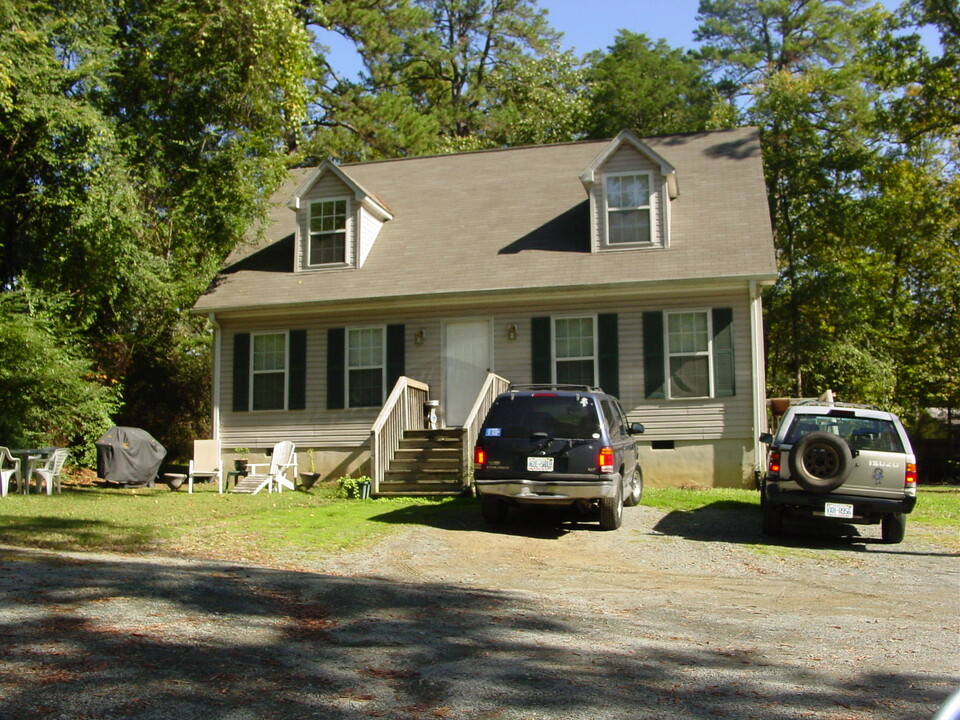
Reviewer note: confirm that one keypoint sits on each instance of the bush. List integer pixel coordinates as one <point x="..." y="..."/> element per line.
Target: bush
<point x="349" y="487"/>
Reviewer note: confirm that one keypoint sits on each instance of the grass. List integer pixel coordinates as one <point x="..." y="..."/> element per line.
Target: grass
<point x="304" y="525"/>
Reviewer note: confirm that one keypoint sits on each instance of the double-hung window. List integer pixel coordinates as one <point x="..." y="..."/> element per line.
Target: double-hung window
<point x="366" y="367"/>
<point x="328" y="232"/>
<point x="689" y="357"/>
<point x="268" y="377"/>
<point x="629" y="214"/>
<point x="575" y="350"/>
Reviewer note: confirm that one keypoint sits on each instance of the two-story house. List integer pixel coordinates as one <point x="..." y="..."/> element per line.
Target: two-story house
<point x="633" y="264"/>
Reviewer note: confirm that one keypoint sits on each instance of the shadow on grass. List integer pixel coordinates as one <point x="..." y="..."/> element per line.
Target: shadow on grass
<point x="739" y="523"/>
<point x="59" y="533"/>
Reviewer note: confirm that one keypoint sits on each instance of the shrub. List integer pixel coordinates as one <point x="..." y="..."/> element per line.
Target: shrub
<point x="349" y="487"/>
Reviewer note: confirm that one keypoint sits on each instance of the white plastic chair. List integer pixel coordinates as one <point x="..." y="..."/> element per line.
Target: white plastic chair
<point x="49" y="472"/>
<point x="205" y="463"/>
<point x="284" y="457"/>
<point x="7" y="472"/>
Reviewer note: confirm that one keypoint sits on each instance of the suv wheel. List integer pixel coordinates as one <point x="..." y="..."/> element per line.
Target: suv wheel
<point x="636" y="489"/>
<point x="611" y="510"/>
<point x="893" y="527"/>
<point x="820" y="462"/>
<point x="493" y="509"/>
<point x="772" y="519"/>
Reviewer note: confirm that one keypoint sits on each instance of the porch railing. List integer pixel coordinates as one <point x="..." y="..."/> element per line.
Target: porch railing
<point x="492" y="386"/>
<point x="402" y="411"/>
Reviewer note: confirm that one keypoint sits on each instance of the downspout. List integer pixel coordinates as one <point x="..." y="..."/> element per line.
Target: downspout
<point x="215" y="395"/>
<point x="759" y="375"/>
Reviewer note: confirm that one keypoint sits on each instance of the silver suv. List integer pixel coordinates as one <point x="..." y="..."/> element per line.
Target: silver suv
<point x="557" y="445"/>
<point x="852" y="463"/>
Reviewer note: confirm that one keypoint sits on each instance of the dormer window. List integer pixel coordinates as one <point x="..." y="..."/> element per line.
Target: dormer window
<point x="628" y="208"/>
<point x="328" y="232"/>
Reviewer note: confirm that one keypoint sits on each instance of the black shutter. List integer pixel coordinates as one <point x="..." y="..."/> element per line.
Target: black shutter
<point x="396" y="355"/>
<point x="336" y="347"/>
<point x="297" y="382"/>
<point x="540" y="351"/>
<point x="723" y="366"/>
<point x="241" y="372"/>
<point x="653" y="372"/>
<point x="608" y="353"/>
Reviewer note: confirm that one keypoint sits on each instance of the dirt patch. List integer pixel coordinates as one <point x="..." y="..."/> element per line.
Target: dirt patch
<point x="677" y="615"/>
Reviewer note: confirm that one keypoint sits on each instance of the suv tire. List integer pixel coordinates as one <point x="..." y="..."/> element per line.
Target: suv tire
<point x="493" y="509"/>
<point x="893" y="527"/>
<point x="636" y="489"/>
<point x="611" y="510"/>
<point x="820" y="462"/>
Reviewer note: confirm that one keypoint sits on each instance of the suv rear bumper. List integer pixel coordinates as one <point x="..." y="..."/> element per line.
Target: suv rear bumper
<point x="863" y="506"/>
<point x="550" y="491"/>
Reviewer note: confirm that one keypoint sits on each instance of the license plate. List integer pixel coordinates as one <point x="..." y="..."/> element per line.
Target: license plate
<point x="838" y="510"/>
<point x="540" y="464"/>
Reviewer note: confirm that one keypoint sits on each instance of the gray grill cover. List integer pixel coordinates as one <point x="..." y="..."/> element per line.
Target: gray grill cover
<point x="128" y="455"/>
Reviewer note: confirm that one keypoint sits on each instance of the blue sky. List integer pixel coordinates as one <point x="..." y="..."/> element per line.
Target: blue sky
<point x="593" y="24"/>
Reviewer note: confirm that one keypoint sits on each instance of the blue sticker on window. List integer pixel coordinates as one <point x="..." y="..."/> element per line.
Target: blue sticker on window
<point x="492" y="432"/>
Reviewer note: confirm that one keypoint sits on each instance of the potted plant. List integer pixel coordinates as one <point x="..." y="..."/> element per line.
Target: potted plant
<point x="242" y="460"/>
<point x="307" y="479"/>
<point x="354" y="488"/>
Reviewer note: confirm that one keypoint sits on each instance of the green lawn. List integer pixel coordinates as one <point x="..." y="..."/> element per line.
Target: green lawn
<point x="296" y="525"/>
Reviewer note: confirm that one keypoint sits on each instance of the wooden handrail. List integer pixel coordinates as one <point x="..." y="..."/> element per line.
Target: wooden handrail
<point x="492" y="386"/>
<point x="402" y="411"/>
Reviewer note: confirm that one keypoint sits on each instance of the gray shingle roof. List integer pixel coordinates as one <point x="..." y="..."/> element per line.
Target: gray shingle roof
<point x="518" y="218"/>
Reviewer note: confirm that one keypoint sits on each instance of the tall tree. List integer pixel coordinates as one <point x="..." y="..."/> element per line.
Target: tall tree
<point x="651" y="88"/>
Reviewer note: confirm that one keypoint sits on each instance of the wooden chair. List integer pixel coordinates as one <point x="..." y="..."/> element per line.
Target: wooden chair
<point x="7" y="472"/>
<point x="206" y="463"/>
<point x="283" y="459"/>
<point x="49" y="472"/>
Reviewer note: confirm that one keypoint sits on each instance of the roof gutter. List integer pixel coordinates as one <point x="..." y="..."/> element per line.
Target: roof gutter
<point x="215" y="395"/>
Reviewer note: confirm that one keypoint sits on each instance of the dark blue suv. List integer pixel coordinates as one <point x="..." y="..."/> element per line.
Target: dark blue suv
<point x="557" y="445"/>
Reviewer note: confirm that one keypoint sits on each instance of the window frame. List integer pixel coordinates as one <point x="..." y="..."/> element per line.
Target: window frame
<point x="652" y="195"/>
<point x="595" y="358"/>
<point x="347" y="225"/>
<point x="254" y="372"/>
<point x="668" y="354"/>
<point x="347" y="367"/>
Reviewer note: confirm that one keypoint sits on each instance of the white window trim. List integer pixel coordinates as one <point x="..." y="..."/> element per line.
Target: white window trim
<point x="553" y="346"/>
<point x="383" y="363"/>
<point x="347" y="229"/>
<point x="653" y="200"/>
<point x="286" y="367"/>
<point x="667" y="355"/>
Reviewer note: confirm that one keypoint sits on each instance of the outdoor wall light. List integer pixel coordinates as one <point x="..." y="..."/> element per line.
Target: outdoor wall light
<point x="419" y="336"/>
<point x="511" y="332"/>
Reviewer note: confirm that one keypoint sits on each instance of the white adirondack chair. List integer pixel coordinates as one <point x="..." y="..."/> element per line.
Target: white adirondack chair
<point x="49" y="472"/>
<point x="206" y="463"/>
<point x="284" y="459"/>
<point x="9" y="466"/>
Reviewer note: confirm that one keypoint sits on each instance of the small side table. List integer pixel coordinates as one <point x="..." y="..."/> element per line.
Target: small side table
<point x="235" y="475"/>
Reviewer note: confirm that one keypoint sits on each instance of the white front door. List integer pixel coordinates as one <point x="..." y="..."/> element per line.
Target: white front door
<point x="467" y="358"/>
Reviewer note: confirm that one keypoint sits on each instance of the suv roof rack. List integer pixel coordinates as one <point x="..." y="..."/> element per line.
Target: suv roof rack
<point x="824" y="403"/>
<point x="524" y="387"/>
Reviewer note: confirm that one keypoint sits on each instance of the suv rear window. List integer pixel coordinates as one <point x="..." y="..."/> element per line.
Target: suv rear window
<point x="560" y="417"/>
<point x="859" y="433"/>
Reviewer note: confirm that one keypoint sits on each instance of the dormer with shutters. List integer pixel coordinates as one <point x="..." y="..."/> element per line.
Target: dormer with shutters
<point x="630" y="188"/>
<point x="337" y="220"/>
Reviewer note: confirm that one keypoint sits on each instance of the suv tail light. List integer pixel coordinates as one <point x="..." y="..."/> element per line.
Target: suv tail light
<point x="774" y="464"/>
<point x="605" y="460"/>
<point x="910" y="476"/>
<point x="479" y="457"/>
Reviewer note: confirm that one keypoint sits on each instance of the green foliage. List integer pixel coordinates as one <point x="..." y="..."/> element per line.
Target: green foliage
<point x="350" y="487"/>
<point x="652" y="89"/>
<point x="50" y="393"/>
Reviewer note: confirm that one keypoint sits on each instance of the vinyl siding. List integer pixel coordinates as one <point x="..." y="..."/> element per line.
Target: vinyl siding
<point x="628" y="160"/>
<point x="315" y="426"/>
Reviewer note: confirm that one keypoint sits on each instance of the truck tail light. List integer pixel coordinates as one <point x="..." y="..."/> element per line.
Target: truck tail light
<point x="605" y="460"/>
<point x="774" y="464"/>
<point x="479" y="457"/>
<point x="910" y="476"/>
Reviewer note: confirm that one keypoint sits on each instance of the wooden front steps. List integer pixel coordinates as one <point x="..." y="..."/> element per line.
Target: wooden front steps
<point x="428" y="462"/>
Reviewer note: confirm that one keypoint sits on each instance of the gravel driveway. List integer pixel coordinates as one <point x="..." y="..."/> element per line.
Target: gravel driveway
<point x="677" y="615"/>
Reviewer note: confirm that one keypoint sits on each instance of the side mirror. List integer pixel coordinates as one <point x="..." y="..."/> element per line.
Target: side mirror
<point x="636" y="428"/>
<point x="766" y="438"/>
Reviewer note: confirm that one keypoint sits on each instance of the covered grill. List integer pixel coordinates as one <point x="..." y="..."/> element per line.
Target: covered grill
<point x="129" y="456"/>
